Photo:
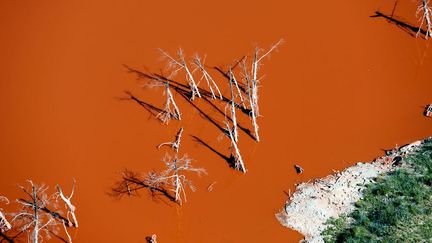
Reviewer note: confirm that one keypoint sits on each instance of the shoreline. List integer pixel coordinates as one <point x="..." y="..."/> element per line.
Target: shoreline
<point x="313" y="203"/>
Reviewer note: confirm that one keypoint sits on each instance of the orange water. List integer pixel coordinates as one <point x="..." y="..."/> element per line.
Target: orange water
<point x="342" y="87"/>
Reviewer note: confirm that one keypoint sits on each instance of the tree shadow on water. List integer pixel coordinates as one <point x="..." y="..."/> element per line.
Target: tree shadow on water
<point x="230" y="160"/>
<point x="408" y="28"/>
<point x="153" y="110"/>
<point x="131" y="183"/>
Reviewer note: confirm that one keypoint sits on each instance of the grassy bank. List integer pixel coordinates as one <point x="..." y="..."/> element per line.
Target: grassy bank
<point x="397" y="208"/>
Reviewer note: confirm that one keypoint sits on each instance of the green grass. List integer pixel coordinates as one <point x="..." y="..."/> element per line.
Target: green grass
<point x="397" y="208"/>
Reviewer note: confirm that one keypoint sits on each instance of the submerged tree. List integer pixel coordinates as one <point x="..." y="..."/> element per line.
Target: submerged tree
<point x="232" y="105"/>
<point x="170" y="183"/>
<point x="252" y="83"/>
<point x="70" y="209"/>
<point x="238" y="93"/>
<point x="131" y="183"/>
<point x="174" y="177"/>
<point x="426" y="11"/>
<point x="205" y="75"/>
<point x="38" y="215"/>
<point x="244" y="96"/>
<point x="232" y="133"/>
<point x="171" y="110"/>
<point x="176" y="144"/>
<point x="238" y="160"/>
<point x="33" y="220"/>
<point x="178" y="64"/>
<point x="4" y="223"/>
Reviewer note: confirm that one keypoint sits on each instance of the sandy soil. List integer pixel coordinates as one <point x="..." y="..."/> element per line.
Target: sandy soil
<point x="315" y="202"/>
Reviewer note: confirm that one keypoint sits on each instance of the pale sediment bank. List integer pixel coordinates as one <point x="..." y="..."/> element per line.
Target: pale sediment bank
<point x="313" y="203"/>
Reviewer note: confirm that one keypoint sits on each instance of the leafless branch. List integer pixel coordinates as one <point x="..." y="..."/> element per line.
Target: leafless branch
<point x="234" y="81"/>
<point x="168" y="113"/>
<point x="176" y="144"/>
<point x="239" y="165"/>
<point x="425" y="18"/>
<point x="176" y="66"/>
<point x="255" y="68"/>
<point x="233" y="110"/>
<point x="33" y="219"/>
<point x="252" y="82"/>
<point x="173" y="175"/>
<point x="131" y="183"/>
<point x="4" y="223"/>
<point x="252" y="101"/>
<point x="67" y="201"/>
<point x="210" y="82"/>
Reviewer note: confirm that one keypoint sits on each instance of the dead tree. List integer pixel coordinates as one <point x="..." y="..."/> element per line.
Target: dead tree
<point x="33" y="220"/>
<point x="239" y="165"/>
<point x="70" y="209"/>
<point x="256" y="63"/>
<point x="232" y="106"/>
<point x="176" y="144"/>
<point x="174" y="177"/>
<point x="233" y="80"/>
<point x="4" y="223"/>
<point x="131" y="183"/>
<point x="177" y="65"/>
<point x="252" y="101"/>
<point x="171" y="183"/>
<point x="252" y="82"/>
<point x="425" y="19"/>
<point x="36" y="215"/>
<point x="171" y="110"/>
<point x="210" y="82"/>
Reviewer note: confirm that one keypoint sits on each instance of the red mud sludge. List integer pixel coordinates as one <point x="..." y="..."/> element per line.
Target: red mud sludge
<point x="339" y="89"/>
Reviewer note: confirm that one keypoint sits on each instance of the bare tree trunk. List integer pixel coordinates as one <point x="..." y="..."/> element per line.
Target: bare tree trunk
<point x="233" y="110"/>
<point x="426" y="17"/>
<point x="210" y="82"/>
<point x="176" y="180"/>
<point x="250" y="95"/>
<point x="255" y="84"/>
<point x="4" y="223"/>
<point x="170" y="97"/>
<point x="238" y="158"/>
<point x="181" y="64"/>
<point x="189" y="77"/>
<point x="35" y="216"/>
<point x="234" y="80"/>
<point x="176" y="144"/>
<point x="167" y="114"/>
<point x="71" y="208"/>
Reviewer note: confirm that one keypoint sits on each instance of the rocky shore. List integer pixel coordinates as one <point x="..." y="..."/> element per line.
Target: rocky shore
<point x="313" y="203"/>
